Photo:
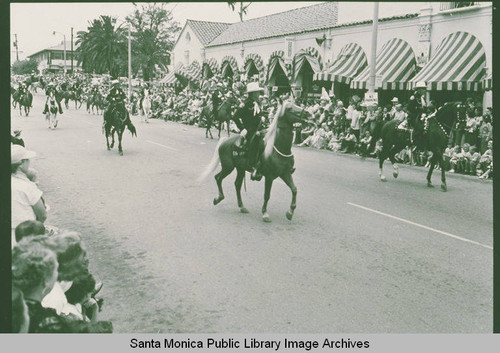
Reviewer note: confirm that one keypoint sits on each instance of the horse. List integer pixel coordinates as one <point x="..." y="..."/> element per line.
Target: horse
<point x="96" y="101"/>
<point x="116" y="119"/>
<point x="76" y="96"/>
<point x="435" y="139"/>
<point x="277" y="159"/>
<point x="223" y="114"/>
<point x="16" y="95"/>
<point x="26" y="101"/>
<point x="146" y="107"/>
<point x="51" y="115"/>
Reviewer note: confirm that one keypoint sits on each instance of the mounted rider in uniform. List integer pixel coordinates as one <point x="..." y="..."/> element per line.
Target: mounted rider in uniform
<point x="248" y="119"/>
<point x="116" y="99"/>
<point x="51" y="87"/>
<point x="417" y="105"/>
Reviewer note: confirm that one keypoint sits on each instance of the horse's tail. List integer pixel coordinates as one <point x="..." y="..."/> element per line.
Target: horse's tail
<point x="213" y="163"/>
<point x="131" y="127"/>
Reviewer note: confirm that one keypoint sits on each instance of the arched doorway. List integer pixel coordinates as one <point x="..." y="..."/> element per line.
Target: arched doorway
<point x="306" y="63"/>
<point x="278" y="74"/>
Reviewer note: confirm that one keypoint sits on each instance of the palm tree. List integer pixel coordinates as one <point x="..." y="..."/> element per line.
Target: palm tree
<point x="243" y="8"/>
<point x="103" y="47"/>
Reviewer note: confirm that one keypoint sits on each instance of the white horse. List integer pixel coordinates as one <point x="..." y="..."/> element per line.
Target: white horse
<point x="146" y="106"/>
<point x="51" y="115"/>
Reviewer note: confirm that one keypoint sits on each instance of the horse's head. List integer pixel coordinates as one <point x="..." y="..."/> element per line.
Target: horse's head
<point x="293" y="114"/>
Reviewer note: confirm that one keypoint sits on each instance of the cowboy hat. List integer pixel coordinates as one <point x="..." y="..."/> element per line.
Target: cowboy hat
<point x="254" y="87"/>
<point x="395" y="100"/>
<point x="420" y="84"/>
<point x="114" y="82"/>
<point x="19" y="153"/>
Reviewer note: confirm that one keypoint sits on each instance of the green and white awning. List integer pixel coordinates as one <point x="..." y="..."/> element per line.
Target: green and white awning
<point x="192" y="73"/>
<point x="309" y="55"/>
<point x="395" y="64"/>
<point x="458" y="64"/>
<point x="351" y="61"/>
<point x="170" y="80"/>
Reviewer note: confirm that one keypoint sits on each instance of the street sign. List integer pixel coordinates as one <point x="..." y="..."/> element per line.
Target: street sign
<point x="371" y="98"/>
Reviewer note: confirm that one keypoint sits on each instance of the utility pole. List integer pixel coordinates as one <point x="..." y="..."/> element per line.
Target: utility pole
<point x="129" y="64"/>
<point x="72" y="54"/>
<point x="17" y="47"/>
<point x="373" y="59"/>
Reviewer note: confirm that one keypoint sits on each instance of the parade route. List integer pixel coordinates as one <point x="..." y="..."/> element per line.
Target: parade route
<point x="359" y="256"/>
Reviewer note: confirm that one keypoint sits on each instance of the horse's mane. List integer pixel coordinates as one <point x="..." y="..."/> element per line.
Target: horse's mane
<point x="446" y="114"/>
<point x="271" y="132"/>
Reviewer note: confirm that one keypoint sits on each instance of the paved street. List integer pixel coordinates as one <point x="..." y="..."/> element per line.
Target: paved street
<point x="359" y="256"/>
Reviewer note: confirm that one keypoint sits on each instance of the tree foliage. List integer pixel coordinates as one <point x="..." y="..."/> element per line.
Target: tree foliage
<point x="243" y="8"/>
<point x="24" y="67"/>
<point x="103" y="47"/>
<point x="153" y="33"/>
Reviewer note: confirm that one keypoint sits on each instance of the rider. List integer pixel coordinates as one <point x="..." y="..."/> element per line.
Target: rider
<point x="51" y="87"/>
<point x="417" y="104"/>
<point x="248" y="119"/>
<point x="116" y="99"/>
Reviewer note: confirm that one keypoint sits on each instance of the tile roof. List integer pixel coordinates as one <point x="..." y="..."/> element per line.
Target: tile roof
<point x="305" y="19"/>
<point x="207" y="31"/>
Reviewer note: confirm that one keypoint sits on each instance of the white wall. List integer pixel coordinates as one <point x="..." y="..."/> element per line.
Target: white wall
<point x="477" y="22"/>
<point x="194" y="46"/>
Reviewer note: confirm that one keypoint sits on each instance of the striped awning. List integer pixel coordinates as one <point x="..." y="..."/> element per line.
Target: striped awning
<point x="457" y="65"/>
<point x="170" y="80"/>
<point x="487" y="83"/>
<point x="351" y="61"/>
<point x="309" y="55"/>
<point x="275" y="62"/>
<point x="395" y="65"/>
<point x="191" y="73"/>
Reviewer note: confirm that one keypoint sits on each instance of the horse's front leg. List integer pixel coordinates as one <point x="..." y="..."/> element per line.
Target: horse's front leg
<point x="267" y="195"/>
<point x="120" y="134"/>
<point x="443" y="176"/>
<point x="107" y="130"/>
<point x="237" y="183"/>
<point x="228" y="124"/>
<point x="113" y="130"/>
<point x="381" y="159"/>
<point x="429" y="174"/>
<point x="288" y="179"/>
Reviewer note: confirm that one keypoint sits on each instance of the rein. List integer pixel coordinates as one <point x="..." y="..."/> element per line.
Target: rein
<point x="282" y="154"/>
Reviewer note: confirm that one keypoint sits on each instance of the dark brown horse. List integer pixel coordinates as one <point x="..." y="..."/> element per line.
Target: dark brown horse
<point x="26" y="101"/>
<point x="277" y="158"/>
<point x="434" y="139"/>
<point x="223" y="114"/>
<point x="116" y="119"/>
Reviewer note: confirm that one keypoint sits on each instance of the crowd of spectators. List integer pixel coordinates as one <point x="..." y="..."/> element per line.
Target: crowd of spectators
<point x="348" y="128"/>
<point x="52" y="288"/>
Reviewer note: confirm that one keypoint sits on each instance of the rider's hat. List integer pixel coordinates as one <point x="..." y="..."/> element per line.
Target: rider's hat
<point x="115" y="82"/>
<point x="254" y="87"/>
<point x="420" y="84"/>
<point x="395" y="100"/>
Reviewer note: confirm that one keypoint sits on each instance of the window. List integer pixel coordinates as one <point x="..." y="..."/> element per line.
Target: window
<point x="186" y="57"/>
<point x="188" y="37"/>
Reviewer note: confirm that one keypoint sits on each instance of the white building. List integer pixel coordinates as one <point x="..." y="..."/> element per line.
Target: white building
<point x="52" y="59"/>
<point x="448" y="45"/>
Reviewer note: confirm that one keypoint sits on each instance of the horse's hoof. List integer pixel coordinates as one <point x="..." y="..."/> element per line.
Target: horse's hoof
<point x="243" y="210"/>
<point x="121" y="153"/>
<point x="395" y="175"/>
<point x="217" y="200"/>
<point x="266" y="218"/>
<point x="429" y="184"/>
<point x="289" y="215"/>
<point x="444" y="187"/>
<point x="383" y="178"/>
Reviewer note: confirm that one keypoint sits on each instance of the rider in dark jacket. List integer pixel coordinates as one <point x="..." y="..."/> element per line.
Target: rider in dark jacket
<point x="248" y="119"/>
<point x="116" y="99"/>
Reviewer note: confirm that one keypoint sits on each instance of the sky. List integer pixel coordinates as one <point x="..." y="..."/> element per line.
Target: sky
<point x="34" y="32"/>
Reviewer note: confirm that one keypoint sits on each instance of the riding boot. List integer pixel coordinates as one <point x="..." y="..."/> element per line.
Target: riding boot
<point x="46" y="110"/>
<point x="60" y="108"/>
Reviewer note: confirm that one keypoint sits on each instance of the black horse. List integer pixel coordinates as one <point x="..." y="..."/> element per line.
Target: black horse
<point x="116" y="118"/>
<point x="26" y="101"/>
<point x="223" y="114"/>
<point x="433" y="137"/>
